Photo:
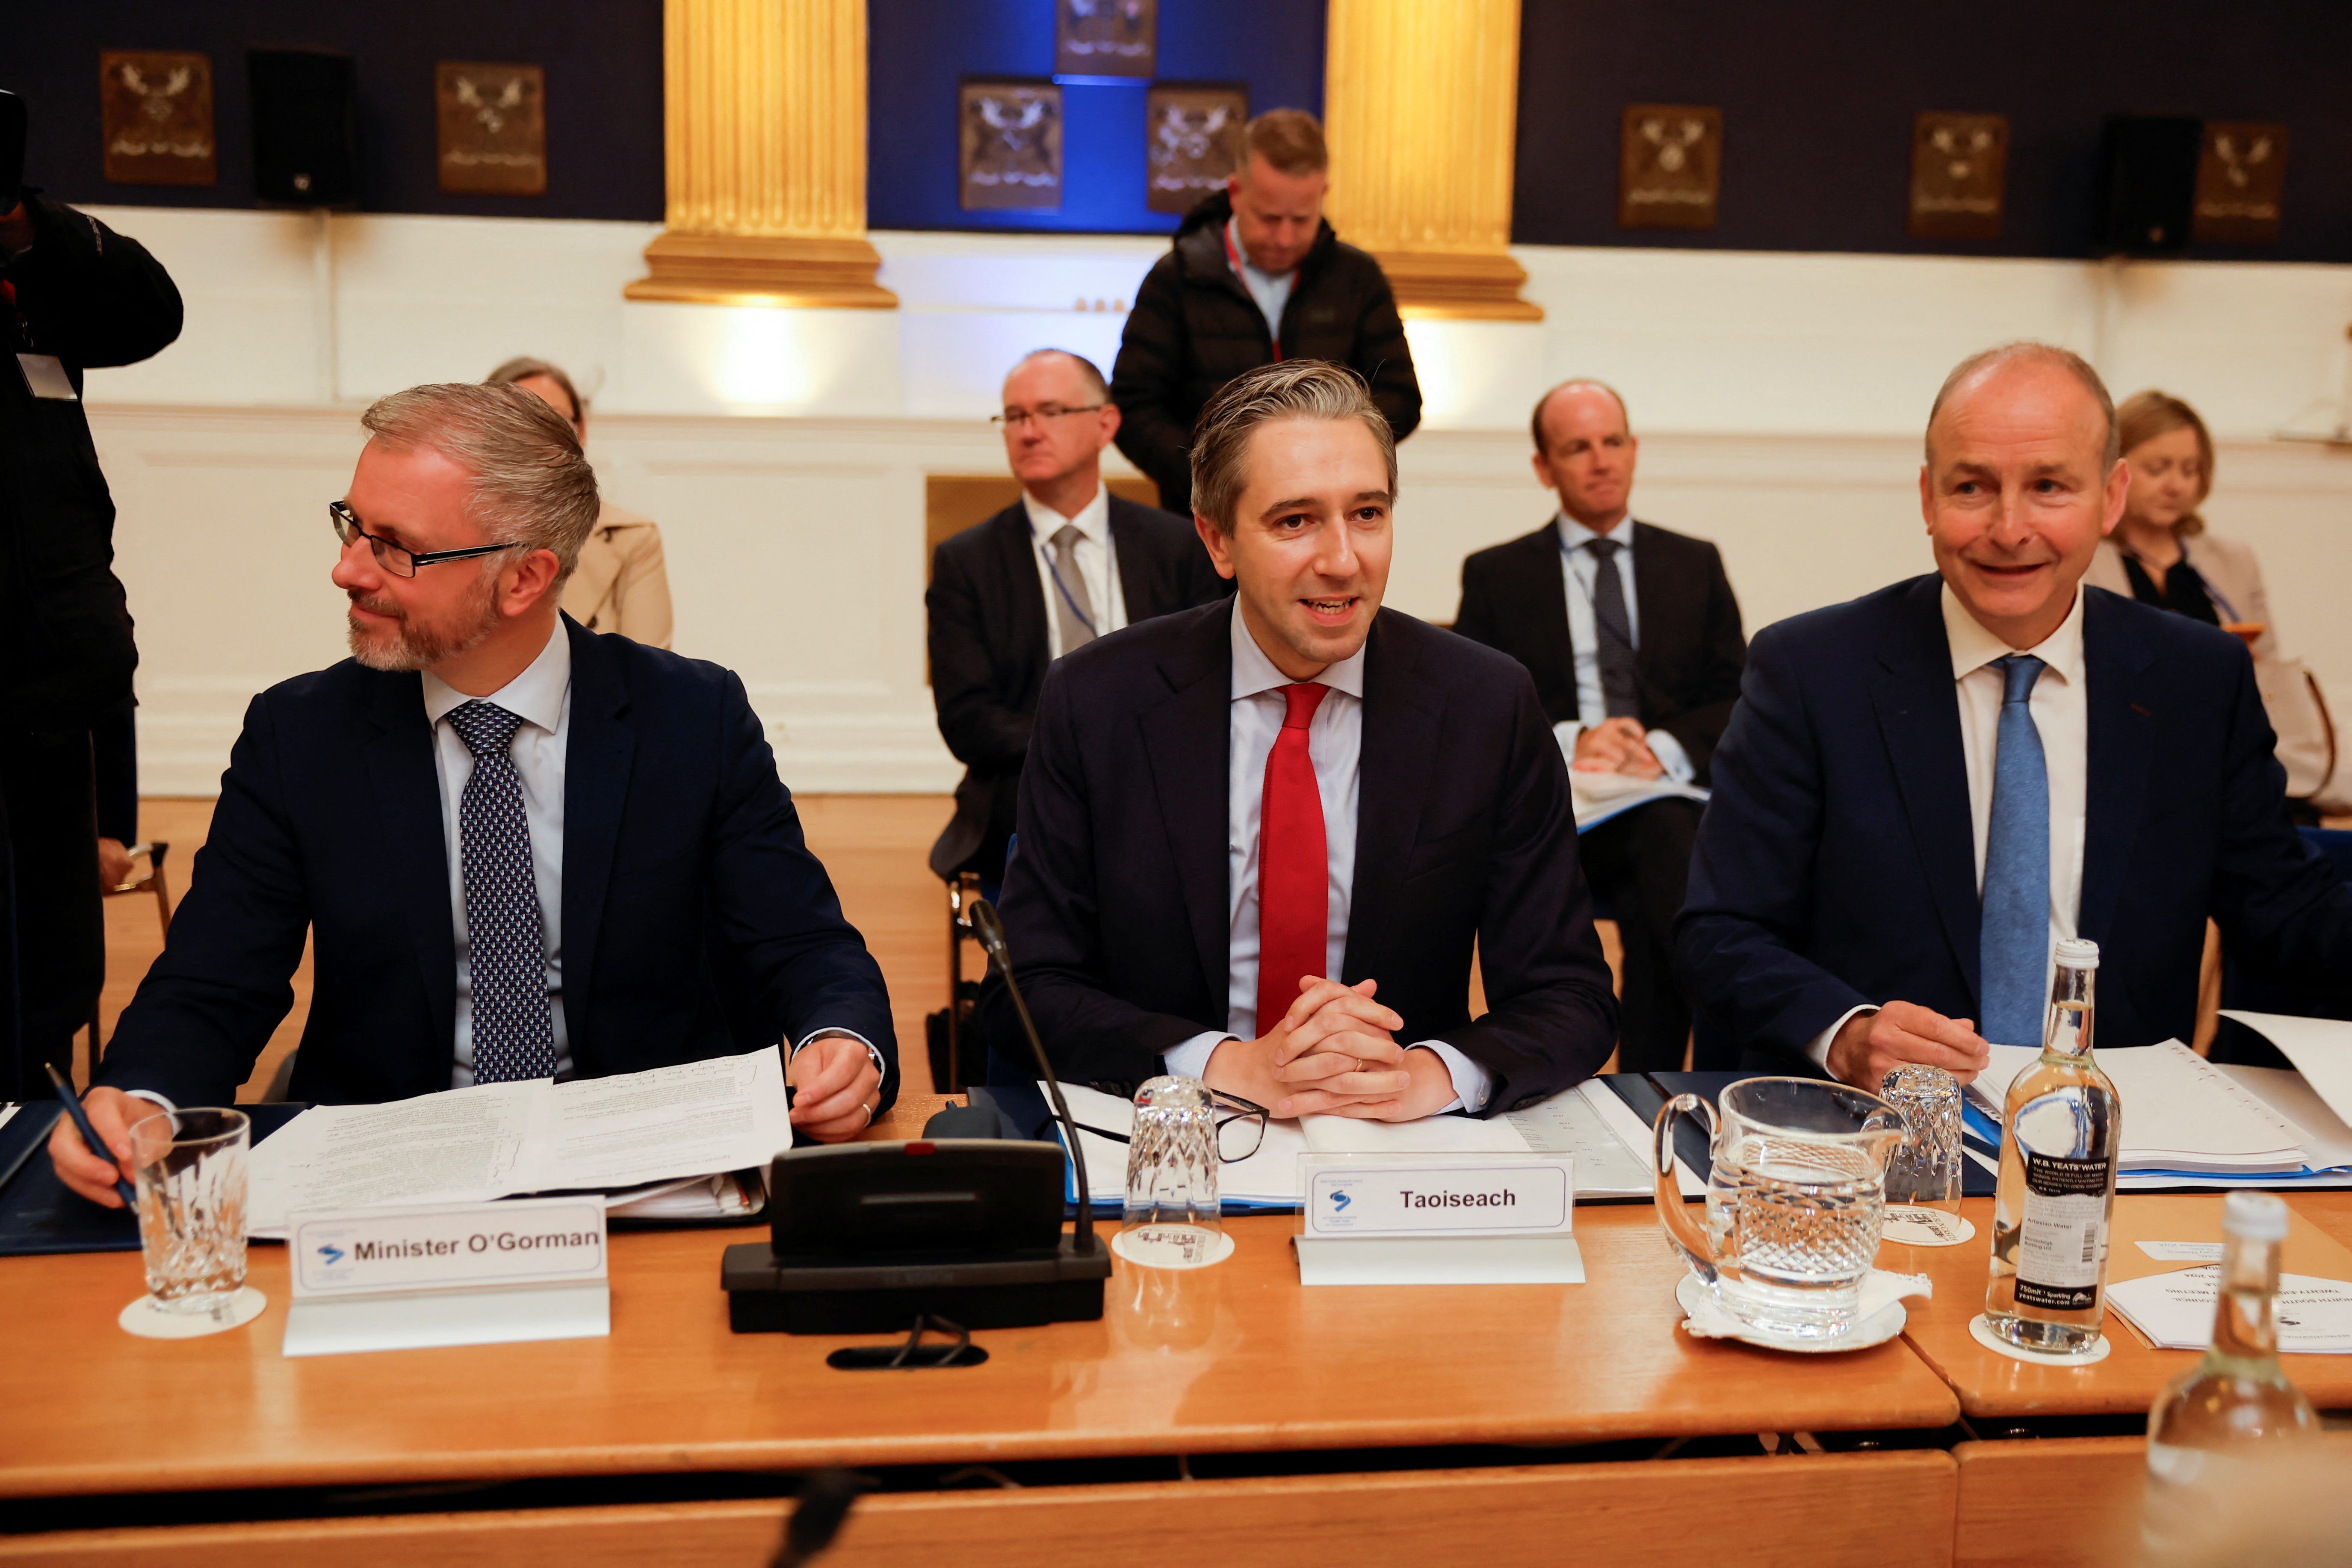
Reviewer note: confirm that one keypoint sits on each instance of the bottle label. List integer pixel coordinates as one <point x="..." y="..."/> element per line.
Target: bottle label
<point x="2062" y="1247"/>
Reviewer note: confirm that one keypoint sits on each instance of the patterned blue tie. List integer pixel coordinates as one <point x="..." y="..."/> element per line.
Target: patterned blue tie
<point x="507" y="950"/>
<point x="2013" y="941"/>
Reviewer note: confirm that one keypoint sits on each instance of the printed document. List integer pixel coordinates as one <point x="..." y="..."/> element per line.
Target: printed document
<point x="494" y="1140"/>
<point x="2175" y="1310"/>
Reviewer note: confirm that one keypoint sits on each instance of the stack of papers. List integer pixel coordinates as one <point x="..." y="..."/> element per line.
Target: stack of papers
<point x="2175" y="1310"/>
<point x="1597" y="797"/>
<point x="1610" y="1144"/>
<point x="695" y="1120"/>
<point x="2182" y="1115"/>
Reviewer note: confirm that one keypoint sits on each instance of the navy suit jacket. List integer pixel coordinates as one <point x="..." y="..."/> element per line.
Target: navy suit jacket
<point x="1836" y="864"/>
<point x="1117" y="904"/>
<point x="696" y="923"/>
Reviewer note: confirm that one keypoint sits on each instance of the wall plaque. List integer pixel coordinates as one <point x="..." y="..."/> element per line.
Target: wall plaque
<point x="157" y="110"/>
<point x="493" y="120"/>
<point x="1193" y="142"/>
<point x="1105" y="37"/>
<point x="1959" y="164"/>
<point x="1671" y="166"/>
<point x="1010" y="144"/>
<point x="2241" y="176"/>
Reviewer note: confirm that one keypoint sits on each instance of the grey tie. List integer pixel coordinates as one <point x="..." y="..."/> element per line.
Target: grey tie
<point x="507" y="949"/>
<point x="1620" y="693"/>
<point x="1074" y="608"/>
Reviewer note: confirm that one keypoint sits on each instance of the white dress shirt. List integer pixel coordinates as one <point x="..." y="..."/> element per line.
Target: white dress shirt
<point x="1270" y="289"/>
<point x="2062" y="712"/>
<point x="1097" y="565"/>
<point x="1580" y="571"/>
<point x="1335" y="745"/>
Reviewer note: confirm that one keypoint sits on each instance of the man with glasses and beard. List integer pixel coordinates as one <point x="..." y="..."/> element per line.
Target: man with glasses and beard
<point x="520" y="849"/>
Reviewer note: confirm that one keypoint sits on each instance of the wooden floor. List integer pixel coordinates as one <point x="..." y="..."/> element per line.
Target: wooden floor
<point x="876" y="847"/>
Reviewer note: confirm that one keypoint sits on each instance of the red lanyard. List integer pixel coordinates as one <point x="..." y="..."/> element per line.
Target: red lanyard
<point x="1234" y="260"/>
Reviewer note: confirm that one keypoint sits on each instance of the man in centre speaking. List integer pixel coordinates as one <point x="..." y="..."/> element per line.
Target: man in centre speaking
<point x="520" y="849"/>
<point x="1258" y="840"/>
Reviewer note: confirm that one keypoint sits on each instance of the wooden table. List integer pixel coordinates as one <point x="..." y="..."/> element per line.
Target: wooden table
<point x="1992" y="1386"/>
<point x="1229" y="1359"/>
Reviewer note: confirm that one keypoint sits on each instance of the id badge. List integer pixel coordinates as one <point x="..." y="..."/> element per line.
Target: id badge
<point x="45" y="376"/>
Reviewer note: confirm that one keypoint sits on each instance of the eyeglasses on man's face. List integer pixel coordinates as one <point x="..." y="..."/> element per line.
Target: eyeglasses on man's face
<point x="398" y="560"/>
<point x="1015" y="418"/>
<point x="1241" y="1127"/>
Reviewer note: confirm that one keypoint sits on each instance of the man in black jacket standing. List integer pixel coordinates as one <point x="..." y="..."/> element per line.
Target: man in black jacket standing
<point x="1256" y="276"/>
<point x="1632" y="635"/>
<point x="1066" y="562"/>
<point x="73" y="295"/>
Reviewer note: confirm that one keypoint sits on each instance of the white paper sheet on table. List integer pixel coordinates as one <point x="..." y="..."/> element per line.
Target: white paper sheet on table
<point x="2320" y="1048"/>
<point x="2175" y="1310"/>
<point x="1612" y="1160"/>
<point x="1596" y="797"/>
<point x="495" y="1141"/>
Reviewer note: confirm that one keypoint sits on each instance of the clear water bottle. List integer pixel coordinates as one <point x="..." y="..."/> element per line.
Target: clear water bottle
<point x="2061" y="1139"/>
<point x="2218" y="1425"/>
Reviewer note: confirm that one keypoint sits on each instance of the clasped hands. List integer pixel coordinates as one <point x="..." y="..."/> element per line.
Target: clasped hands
<point x="1335" y="1052"/>
<point x="1617" y="745"/>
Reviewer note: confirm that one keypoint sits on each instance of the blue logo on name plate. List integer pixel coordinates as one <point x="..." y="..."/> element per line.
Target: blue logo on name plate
<point x="1340" y="1200"/>
<point x="334" y="1255"/>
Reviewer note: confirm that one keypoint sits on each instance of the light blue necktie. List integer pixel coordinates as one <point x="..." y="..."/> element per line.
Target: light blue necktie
<point x="2013" y="941"/>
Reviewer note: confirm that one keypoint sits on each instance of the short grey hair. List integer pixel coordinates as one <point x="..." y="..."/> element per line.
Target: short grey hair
<point x="532" y="485"/>
<point x="1088" y="372"/>
<point x="2026" y="349"/>
<point x="1288" y="389"/>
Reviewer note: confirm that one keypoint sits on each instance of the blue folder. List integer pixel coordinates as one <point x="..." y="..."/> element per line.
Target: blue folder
<point x="37" y="1215"/>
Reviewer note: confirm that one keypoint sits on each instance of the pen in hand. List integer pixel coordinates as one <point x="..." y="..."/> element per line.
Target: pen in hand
<point x="89" y="1134"/>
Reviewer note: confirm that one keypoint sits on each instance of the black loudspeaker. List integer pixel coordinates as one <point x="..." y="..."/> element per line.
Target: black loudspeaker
<point x="305" y="140"/>
<point x="2148" y="183"/>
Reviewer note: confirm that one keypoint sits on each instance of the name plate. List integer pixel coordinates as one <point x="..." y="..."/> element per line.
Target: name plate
<point x="459" y="1274"/>
<point x="1438" y="1195"/>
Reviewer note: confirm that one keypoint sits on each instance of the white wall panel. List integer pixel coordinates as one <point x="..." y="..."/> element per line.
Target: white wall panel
<point x="1778" y="397"/>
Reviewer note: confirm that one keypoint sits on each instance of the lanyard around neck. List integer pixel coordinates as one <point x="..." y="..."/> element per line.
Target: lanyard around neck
<point x="1059" y="586"/>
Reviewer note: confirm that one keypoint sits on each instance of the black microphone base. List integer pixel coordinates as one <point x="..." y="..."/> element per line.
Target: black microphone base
<point x="874" y="1297"/>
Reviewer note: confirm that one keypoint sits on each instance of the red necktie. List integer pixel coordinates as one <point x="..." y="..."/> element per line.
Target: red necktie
<point x="1293" y="908"/>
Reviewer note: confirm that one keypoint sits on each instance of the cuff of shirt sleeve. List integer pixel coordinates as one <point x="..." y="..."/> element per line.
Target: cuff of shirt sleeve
<point x="149" y="1096"/>
<point x="1819" y="1050"/>
<point x="1671" y="756"/>
<point x="1473" y="1085"/>
<point x="1191" y="1059"/>
<point x="814" y="1034"/>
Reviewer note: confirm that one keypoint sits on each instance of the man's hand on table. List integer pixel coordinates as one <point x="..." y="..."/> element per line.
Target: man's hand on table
<point x="834" y="1088"/>
<point x="1334" y="1054"/>
<point x="112" y="1112"/>
<point x="1869" y="1045"/>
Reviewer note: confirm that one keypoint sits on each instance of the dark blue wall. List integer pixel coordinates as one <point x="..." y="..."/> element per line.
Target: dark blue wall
<point x="919" y="50"/>
<point x="603" y="67"/>
<point x="1817" y="101"/>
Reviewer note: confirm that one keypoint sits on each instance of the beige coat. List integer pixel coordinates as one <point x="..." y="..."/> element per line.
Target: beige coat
<point x="620" y="584"/>
<point x="2231" y="572"/>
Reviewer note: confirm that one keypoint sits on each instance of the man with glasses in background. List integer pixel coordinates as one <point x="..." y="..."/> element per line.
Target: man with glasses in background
<point x="520" y="849"/>
<point x="1066" y="563"/>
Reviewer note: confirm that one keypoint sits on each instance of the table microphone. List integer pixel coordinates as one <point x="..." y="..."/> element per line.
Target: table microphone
<point x="990" y="931"/>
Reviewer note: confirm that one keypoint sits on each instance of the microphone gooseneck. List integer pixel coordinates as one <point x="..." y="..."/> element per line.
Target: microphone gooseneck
<point x="990" y="931"/>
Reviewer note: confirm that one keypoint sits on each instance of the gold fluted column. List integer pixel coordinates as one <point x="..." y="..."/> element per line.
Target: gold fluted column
<point x="1421" y="109"/>
<point x="764" y="128"/>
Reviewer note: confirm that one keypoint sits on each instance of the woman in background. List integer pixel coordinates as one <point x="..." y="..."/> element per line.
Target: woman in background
<point x="620" y="584"/>
<point x="2160" y="554"/>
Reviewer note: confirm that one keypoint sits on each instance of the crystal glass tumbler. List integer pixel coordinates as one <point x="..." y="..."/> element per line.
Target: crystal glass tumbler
<point x="191" y="1166"/>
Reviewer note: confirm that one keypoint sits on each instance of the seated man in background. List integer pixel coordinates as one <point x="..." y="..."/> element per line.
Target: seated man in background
<point x="1921" y="790"/>
<point x="622" y="583"/>
<point x="1258" y="841"/>
<point x="519" y="849"/>
<point x="1632" y="636"/>
<point x="1067" y="563"/>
